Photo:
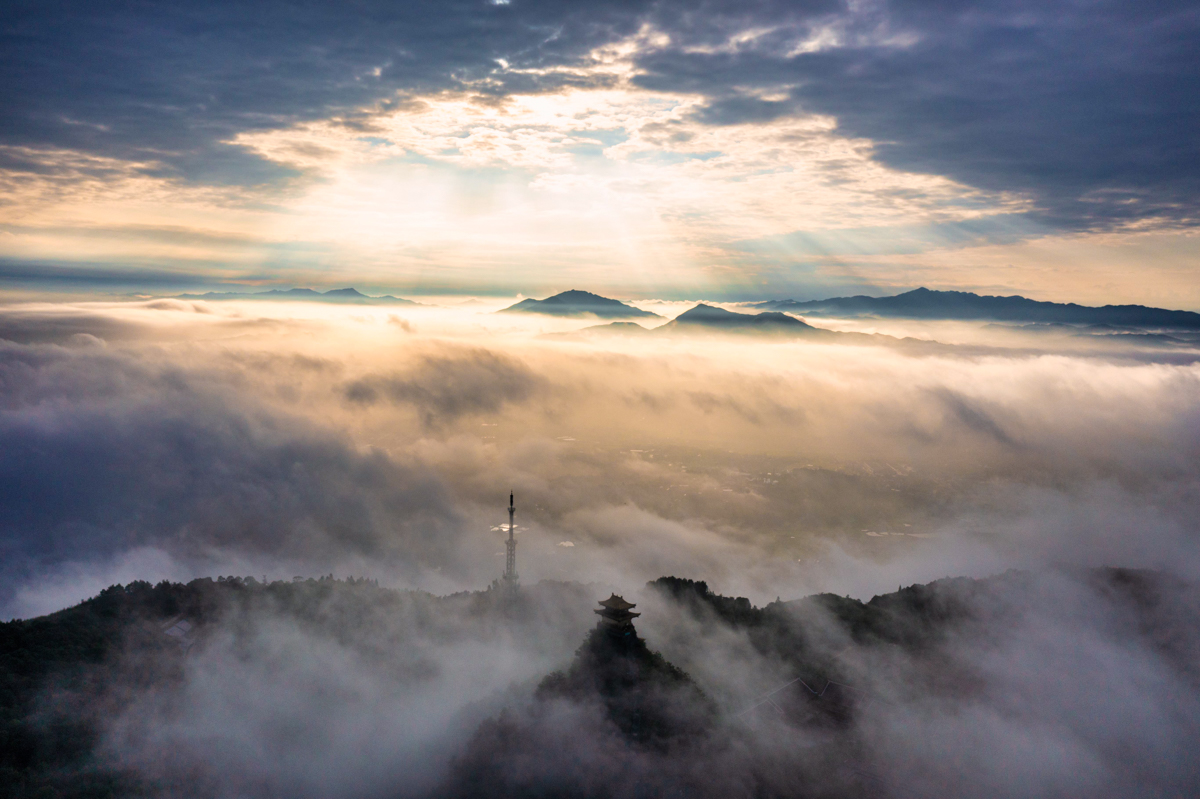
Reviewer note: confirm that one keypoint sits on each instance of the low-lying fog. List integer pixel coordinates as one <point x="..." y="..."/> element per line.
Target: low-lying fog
<point x="170" y="439"/>
<point x="167" y="439"/>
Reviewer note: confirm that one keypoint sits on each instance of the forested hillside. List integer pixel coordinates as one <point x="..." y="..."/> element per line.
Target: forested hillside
<point x="65" y="677"/>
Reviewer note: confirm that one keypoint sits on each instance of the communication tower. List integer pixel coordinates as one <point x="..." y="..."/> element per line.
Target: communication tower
<point x="510" y="555"/>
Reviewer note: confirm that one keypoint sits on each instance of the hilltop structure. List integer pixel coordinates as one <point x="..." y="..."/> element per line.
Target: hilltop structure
<point x="510" y="553"/>
<point x="615" y="616"/>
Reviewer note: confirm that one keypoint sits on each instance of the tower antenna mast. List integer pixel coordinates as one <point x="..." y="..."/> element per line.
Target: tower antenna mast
<point x="510" y="560"/>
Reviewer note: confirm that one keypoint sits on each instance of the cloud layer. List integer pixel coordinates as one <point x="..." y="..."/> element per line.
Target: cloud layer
<point x="199" y="437"/>
<point x="167" y="439"/>
<point x="1084" y="109"/>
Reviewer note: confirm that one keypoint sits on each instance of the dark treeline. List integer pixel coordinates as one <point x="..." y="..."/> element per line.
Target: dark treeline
<point x="62" y="674"/>
<point x="1157" y="610"/>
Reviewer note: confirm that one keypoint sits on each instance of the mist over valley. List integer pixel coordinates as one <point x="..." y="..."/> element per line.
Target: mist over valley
<point x="1032" y="494"/>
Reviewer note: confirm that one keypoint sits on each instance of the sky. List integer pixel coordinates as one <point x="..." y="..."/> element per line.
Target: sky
<point x="671" y="150"/>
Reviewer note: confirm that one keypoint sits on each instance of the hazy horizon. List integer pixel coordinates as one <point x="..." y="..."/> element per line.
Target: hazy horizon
<point x="783" y="454"/>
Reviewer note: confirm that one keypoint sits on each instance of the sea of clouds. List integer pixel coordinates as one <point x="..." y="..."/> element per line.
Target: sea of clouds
<point x="169" y="440"/>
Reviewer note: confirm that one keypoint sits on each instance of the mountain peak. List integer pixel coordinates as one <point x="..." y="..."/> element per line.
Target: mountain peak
<point x="710" y="315"/>
<point x="575" y="295"/>
<point x="578" y="303"/>
<point x="703" y="310"/>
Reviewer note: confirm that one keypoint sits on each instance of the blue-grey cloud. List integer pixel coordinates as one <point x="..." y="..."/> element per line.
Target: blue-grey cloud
<point x="16" y="272"/>
<point x="168" y="83"/>
<point x="106" y="453"/>
<point x="1085" y="109"/>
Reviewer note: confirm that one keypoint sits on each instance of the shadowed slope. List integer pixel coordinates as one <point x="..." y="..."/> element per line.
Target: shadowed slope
<point x="620" y="720"/>
<point x="648" y="698"/>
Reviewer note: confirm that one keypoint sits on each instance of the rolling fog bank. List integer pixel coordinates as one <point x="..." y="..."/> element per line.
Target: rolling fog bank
<point x="166" y="440"/>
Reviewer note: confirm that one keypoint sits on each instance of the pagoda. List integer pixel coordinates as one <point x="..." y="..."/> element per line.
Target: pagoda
<point x="615" y="616"/>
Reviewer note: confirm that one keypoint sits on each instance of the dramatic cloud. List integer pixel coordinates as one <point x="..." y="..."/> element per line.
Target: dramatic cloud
<point x="769" y="148"/>
<point x="172" y="85"/>
<point x="1083" y="109"/>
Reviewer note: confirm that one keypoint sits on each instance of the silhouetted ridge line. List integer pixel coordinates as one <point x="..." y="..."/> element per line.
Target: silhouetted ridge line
<point x="707" y="318"/>
<point x="923" y="303"/>
<point x="719" y="317"/>
<point x="578" y="303"/>
<point x="346" y="296"/>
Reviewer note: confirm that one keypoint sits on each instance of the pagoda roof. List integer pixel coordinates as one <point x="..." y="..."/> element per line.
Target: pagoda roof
<point x="616" y="615"/>
<point x="615" y="602"/>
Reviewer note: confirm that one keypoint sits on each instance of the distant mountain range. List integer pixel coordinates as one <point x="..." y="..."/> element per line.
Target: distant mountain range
<point x="346" y="296"/>
<point x="706" y="319"/>
<point x="919" y="303"/>
<point x="580" y="303"/>
<point x="923" y="303"/>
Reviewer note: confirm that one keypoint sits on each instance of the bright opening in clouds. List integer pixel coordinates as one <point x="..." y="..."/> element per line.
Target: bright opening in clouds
<point x="657" y="149"/>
